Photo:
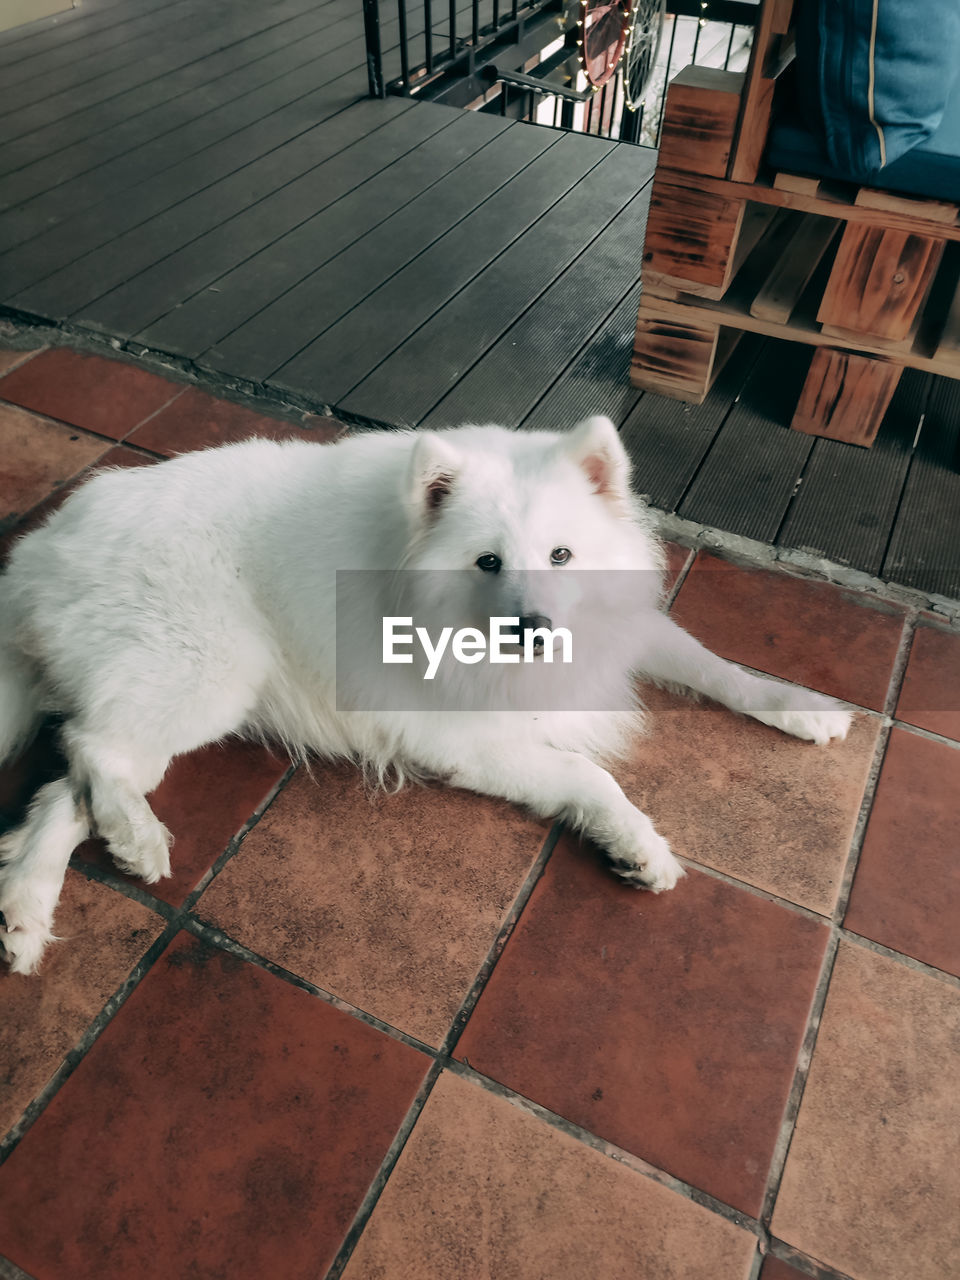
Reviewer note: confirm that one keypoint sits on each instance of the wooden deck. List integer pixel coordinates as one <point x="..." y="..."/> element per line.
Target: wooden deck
<point x="207" y="181"/>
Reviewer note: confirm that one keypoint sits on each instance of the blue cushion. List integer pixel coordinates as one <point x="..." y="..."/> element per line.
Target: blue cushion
<point x="875" y="77"/>
<point x="931" y="168"/>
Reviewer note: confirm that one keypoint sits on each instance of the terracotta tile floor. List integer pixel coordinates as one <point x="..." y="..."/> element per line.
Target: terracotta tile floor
<point x="422" y="1035"/>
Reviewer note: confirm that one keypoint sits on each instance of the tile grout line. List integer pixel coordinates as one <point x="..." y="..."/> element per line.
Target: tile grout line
<point x="609" y="1149"/>
<point x="795" y="1097"/>
<point x="808" y="1266"/>
<point x="91" y="1034"/>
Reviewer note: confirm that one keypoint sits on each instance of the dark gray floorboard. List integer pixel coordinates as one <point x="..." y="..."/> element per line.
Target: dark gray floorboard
<point x="234" y="297"/>
<point x="425" y="367"/>
<point x="667" y="439"/>
<point x="925" y="547"/>
<point x="596" y="380"/>
<point x="331" y="293"/>
<point x="848" y="497"/>
<point x="76" y="286"/>
<point x="341" y="357"/>
<point x="505" y="384"/>
<point x="83" y="46"/>
<point x="112" y="54"/>
<point x="751" y="470"/>
<point x="19" y="44"/>
<point x="247" y="83"/>
<point x="164" y="285"/>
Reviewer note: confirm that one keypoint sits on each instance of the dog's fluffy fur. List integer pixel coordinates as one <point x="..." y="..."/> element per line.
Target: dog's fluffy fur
<point x="164" y="608"/>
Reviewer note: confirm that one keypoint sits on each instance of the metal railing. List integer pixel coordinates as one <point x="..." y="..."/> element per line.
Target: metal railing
<point x="520" y="60"/>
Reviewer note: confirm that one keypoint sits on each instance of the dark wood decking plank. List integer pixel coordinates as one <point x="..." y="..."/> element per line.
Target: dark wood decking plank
<point x="73" y="119"/>
<point x="751" y="471"/>
<point x="848" y="497"/>
<point x="25" y="41"/>
<point x="112" y="52"/>
<point x="505" y="384"/>
<point x="667" y="439"/>
<point x="51" y="56"/>
<point x="924" y="549"/>
<point x="342" y="355"/>
<point x="411" y="381"/>
<point x="242" y="85"/>
<point x="598" y="380"/>
<point x="136" y="83"/>
<point x="319" y="303"/>
<point x="164" y="285"/>
<point x="73" y="288"/>
<point x="246" y="289"/>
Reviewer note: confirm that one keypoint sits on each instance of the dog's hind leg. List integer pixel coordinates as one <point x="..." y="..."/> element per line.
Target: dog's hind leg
<point x="114" y="782"/>
<point x="33" y="862"/>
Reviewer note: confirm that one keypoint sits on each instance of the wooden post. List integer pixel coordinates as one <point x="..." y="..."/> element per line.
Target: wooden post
<point x="678" y="360"/>
<point x="879" y="282"/>
<point x="691" y="238"/>
<point x="700" y="120"/>
<point x="845" y="396"/>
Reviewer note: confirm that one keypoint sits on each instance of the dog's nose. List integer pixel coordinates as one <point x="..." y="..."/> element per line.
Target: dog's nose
<point x="530" y="623"/>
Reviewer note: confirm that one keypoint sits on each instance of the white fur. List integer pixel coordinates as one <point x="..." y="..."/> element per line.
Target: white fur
<point x="164" y="608"/>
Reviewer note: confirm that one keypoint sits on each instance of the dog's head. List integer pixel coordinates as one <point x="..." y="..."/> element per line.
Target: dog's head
<point x="525" y="517"/>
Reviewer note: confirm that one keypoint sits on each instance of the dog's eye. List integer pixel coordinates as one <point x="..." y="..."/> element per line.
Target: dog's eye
<point x="560" y="555"/>
<point x="489" y="563"/>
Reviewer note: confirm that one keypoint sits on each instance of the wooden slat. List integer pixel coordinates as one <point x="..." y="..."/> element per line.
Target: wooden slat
<point x="879" y="282"/>
<point x="747" y="479"/>
<point x="594" y="382"/>
<point x="832" y="205"/>
<point x="948" y="344"/>
<point x="446" y="158"/>
<point x="691" y="237"/>
<point x="674" y="359"/>
<point x="781" y="291"/>
<point x="350" y="314"/>
<point x="421" y="371"/>
<point x="846" y="505"/>
<point x="516" y="371"/>
<point x="699" y="120"/>
<point x="797" y="182"/>
<point x="757" y="100"/>
<point x="667" y="439"/>
<point x="912" y="206"/>
<point x="74" y="288"/>
<point x="845" y="396"/>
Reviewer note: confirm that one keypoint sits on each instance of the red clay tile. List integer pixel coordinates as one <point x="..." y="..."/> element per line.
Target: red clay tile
<point x="677" y="558"/>
<point x="117" y="456"/>
<point x="36" y="457"/>
<point x="104" y="935"/>
<point x="930" y="697"/>
<point x="737" y="795"/>
<point x="196" y="420"/>
<point x="906" y="893"/>
<point x="668" y="1025"/>
<point x="9" y="359"/>
<point x="204" y="800"/>
<point x="224" y="1124"/>
<point x="392" y="902"/>
<point x="872" y="1181"/>
<point x="486" y="1191"/>
<point x="812" y="633"/>
<point x="105" y="396"/>
<point x="776" y="1269"/>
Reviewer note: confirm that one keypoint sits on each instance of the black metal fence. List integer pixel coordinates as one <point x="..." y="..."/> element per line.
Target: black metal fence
<point x="520" y="60"/>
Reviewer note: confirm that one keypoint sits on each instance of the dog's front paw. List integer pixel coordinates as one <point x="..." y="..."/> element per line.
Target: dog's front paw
<point x="804" y="714"/>
<point x="26" y="919"/>
<point x="652" y="867"/>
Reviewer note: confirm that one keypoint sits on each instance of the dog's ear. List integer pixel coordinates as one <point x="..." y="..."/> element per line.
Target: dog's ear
<point x="434" y="465"/>
<point x="595" y="446"/>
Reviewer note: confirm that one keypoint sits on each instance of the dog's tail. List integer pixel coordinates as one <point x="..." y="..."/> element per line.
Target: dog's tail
<point x="20" y="702"/>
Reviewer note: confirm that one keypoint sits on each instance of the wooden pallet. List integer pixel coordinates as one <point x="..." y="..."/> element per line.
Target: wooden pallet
<point x="869" y="279"/>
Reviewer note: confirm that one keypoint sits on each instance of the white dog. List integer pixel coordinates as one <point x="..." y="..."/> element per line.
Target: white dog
<point x="164" y="608"/>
